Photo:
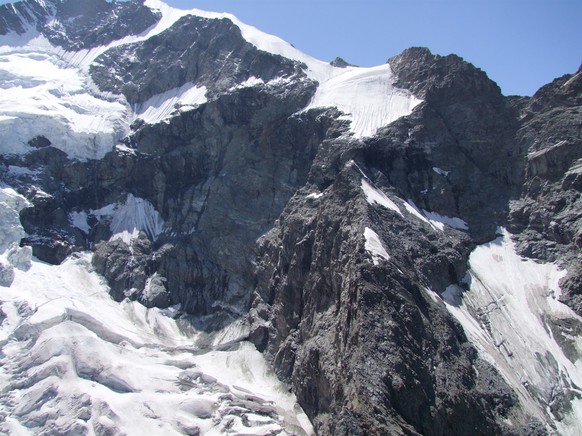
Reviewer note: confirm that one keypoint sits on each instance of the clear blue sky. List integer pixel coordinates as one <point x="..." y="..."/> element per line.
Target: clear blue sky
<point x="521" y="44"/>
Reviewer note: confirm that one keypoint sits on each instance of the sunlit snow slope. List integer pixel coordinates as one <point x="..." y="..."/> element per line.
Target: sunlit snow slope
<point x="510" y="313"/>
<point x="76" y="362"/>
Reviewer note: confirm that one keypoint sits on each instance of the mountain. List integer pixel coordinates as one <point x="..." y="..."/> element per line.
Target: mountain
<point x="206" y="231"/>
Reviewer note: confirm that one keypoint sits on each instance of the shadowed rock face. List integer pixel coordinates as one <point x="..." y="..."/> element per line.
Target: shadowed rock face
<point x="264" y="214"/>
<point x="366" y="348"/>
<point x="219" y="176"/>
<point x="216" y="206"/>
<point x="546" y="216"/>
<point x="210" y="53"/>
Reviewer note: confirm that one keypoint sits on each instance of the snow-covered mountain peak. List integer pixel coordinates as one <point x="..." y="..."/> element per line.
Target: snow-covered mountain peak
<point x="366" y="95"/>
<point x="61" y="38"/>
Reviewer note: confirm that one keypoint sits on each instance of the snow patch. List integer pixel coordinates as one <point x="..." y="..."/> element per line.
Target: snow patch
<point x="439" y="221"/>
<point x="249" y="83"/>
<point x="441" y="172"/>
<point x="135" y="215"/>
<point x="127" y="219"/>
<point x="411" y="208"/>
<point x="374" y="246"/>
<point x="79" y="220"/>
<point x="374" y="195"/>
<point x="367" y="96"/>
<point x="163" y="106"/>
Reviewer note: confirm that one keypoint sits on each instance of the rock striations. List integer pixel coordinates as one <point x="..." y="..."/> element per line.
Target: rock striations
<point x="350" y="258"/>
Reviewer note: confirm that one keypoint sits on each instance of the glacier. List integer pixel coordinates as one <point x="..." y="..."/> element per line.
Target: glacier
<point x="509" y="313"/>
<point x="74" y="361"/>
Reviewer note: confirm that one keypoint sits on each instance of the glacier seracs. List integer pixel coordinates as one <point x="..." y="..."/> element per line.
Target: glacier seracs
<point x="75" y="361"/>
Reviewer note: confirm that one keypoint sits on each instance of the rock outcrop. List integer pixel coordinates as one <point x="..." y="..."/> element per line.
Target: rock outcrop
<point x="79" y="24"/>
<point x="364" y="344"/>
<point x="546" y="216"/>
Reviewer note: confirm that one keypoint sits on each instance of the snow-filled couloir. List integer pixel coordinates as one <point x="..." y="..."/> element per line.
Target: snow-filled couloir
<point x="512" y="314"/>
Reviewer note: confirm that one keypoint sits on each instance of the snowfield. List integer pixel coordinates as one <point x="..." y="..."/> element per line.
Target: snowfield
<point x="374" y="246"/>
<point x="510" y="314"/>
<point x="366" y="96"/>
<point x="163" y="106"/>
<point x="73" y="361"/>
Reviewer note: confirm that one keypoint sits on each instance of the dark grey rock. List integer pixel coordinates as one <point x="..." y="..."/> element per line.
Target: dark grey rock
<point x="547" y="216"/>
<point x="6" y="276"/>
<point x="211" y="53"/>
<point x="124" y="266"/>
<point x="366" y="349"/>
<point x="341" y="63"/>
<point x="77" y="24"/>
<point x="464" y="127"/>
<point x="39" y="142"/>
<point x="17" y="16"/>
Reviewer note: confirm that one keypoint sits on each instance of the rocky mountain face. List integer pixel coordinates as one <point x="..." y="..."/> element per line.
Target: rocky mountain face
<point x="81" y="24"/>
<point x="546" y="216"/>
<point x="337" y="251"/>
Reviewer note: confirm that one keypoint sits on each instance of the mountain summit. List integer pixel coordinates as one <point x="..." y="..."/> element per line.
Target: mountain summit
<point x="206" y="231"/>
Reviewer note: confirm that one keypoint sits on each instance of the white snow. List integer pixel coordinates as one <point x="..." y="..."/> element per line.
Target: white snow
<point x="411" y="208"/>
<point x="163" y="106"/>
<point x="73" y="361"/>
<point x="374" y="246"/>
<point x="79" y="220"/>
<point x="506" y="314"/>
<point x="439" y="221"/>
<point x="43" y="96"/>
<point x="127" y="219"/>
<point x="374" y="195"/>
<point x="249" y="83"/>
<point x="441" y="172"/>
<point x="367" y="96"/>
<point x="435" y="220"/>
